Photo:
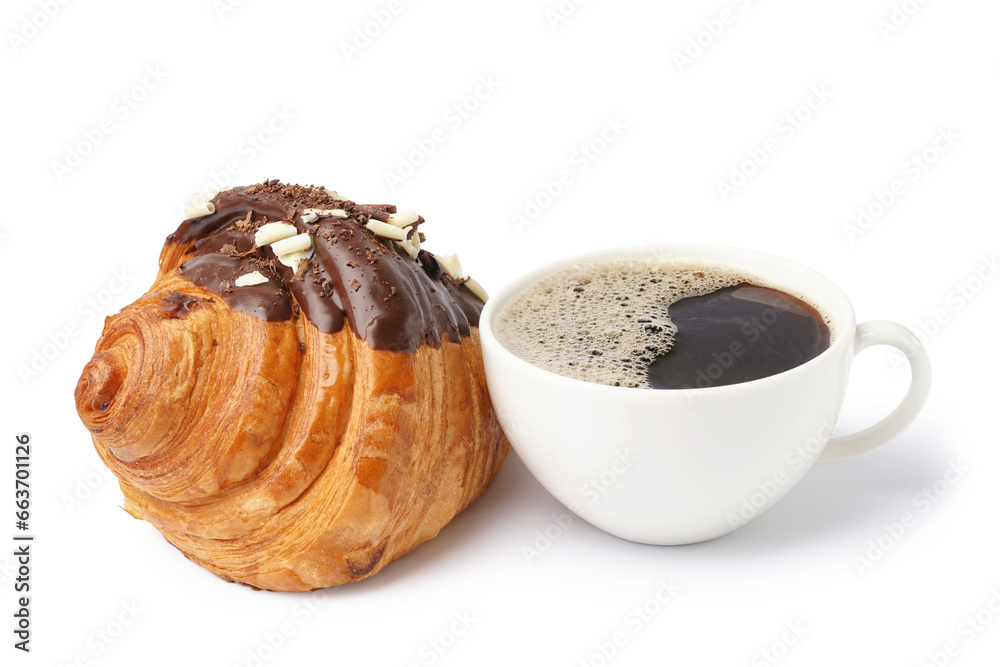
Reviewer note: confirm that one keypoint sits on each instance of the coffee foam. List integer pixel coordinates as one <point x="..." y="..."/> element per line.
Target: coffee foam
<point x="606" y="322"/>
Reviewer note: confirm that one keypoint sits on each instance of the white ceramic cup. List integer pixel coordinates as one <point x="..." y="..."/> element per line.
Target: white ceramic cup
<point x="676" y="466"/>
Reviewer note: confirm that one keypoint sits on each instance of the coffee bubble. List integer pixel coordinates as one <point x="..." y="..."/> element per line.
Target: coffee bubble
<point x="607" y="322"/>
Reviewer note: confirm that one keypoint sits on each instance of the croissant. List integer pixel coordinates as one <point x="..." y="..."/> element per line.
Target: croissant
<point x="299" y="399"/>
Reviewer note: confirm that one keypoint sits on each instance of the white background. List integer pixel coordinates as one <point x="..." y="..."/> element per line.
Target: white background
<point x="93" y="182"/>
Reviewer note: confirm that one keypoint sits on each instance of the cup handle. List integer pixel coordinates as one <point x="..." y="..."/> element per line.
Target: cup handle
<point x="872" y="333"/>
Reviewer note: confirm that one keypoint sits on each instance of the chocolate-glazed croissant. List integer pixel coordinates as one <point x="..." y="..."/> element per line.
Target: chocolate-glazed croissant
<point x="299" y="399"/>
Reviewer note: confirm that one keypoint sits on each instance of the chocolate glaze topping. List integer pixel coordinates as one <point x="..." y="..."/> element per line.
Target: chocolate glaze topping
<point x="390" y="300"/>
<point x="179" y="305"/>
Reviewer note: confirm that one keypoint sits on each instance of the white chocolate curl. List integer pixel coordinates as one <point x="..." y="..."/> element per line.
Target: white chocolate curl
<point x="292" y="244"/>
<point x="386" y="230"/>
<point x="452" y="266"/>
<point x="323" y="213"/>
<point x="477" y="289"/>
<point x="274" y="231"/>
<point x="292" y="259"/>
<point x="410" y="247"/>
<point x="255" y="278"/>
<point x="198" y="206"/>
<point x="404" y="218"/>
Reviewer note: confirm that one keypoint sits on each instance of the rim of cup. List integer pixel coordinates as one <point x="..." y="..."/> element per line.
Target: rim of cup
<point x="834" y="303"/>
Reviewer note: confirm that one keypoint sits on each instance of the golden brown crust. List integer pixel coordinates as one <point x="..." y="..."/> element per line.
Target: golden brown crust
<point x="276" y="455"/>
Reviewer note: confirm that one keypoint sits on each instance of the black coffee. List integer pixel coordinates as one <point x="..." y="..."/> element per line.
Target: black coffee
<point x="661" y="325"/>
<point x="738" y="334"/>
